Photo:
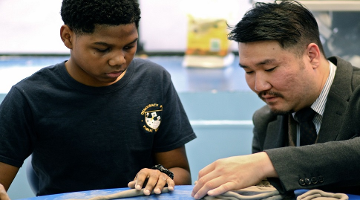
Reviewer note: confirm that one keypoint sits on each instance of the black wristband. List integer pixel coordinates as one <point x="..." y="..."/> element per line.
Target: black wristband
<point x="163" y="170"/>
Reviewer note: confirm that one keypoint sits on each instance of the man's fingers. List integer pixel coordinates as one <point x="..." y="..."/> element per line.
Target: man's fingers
<point x="213" y="187"/>
<point x="205" y="182"/>
<point x="221" y="189"/>
<point x="203" y="172"/>
<point x="201" y="192"/>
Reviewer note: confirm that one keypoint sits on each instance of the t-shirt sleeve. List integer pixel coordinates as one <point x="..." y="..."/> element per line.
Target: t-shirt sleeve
<point x="16" y="138"/>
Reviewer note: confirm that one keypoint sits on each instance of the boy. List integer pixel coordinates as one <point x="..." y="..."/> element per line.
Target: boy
<point x="95" y="120"/>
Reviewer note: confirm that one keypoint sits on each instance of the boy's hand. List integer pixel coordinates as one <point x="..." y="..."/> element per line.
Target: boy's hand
<point x="3" y="194"/>
<point x="153" y="179"/>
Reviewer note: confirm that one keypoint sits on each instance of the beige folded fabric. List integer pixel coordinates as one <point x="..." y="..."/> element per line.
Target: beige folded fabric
<point x="122" y="194"/>
<point x="267" y="192"/>
<point x="263" y="192"/>
<point x="316" y="194"/>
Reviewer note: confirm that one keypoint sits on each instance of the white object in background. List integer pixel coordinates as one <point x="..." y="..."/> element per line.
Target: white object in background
<point x="208" y="61"/>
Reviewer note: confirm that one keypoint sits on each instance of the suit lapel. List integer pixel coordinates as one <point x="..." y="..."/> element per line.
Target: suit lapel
<point x="337" y="101"/>
<point x="276" y="134"/>
<point x="333" y="119"/>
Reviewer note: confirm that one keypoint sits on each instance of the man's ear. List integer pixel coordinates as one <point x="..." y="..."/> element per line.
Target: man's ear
<point x="67" y="36"/>
<point x="313" y="54"/>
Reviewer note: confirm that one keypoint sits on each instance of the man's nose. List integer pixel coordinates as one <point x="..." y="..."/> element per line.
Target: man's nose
<point x="261" y="83"/>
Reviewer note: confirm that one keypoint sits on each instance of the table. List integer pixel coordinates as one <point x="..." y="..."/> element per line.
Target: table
<point x="181" y="192"/>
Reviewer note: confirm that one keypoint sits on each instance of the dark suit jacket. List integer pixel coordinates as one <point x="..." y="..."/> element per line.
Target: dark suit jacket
<point x="333" y="164"/>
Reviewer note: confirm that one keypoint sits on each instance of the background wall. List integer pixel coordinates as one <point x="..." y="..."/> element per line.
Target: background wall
<point x="32" y="26"/>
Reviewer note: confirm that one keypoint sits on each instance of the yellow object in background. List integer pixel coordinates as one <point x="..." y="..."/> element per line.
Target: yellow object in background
<point x="207" y="37"/>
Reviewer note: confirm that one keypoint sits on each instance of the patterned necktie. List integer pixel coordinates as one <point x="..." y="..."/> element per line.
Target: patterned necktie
<point x="308" y="133"/>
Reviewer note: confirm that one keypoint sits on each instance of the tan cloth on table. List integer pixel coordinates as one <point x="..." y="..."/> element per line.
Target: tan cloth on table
<point x="122" y="194"/>
<point x="265" y="192"/>
<point x="321" y="195"/>
<point x="270" y="193"/>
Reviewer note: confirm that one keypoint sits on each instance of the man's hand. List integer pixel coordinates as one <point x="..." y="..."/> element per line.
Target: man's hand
<point x="3" y="194"/>
<point x="156" y="181"/>
<point x="233" y="173"/>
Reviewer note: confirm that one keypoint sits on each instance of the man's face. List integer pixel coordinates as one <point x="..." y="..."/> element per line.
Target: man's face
<point x="101" y="58"/>
<point x="283" y="80"/>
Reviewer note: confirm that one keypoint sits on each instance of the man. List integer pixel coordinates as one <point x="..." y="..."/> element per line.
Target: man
<point x="281" y="53"/>
<point x="101" y="119"/>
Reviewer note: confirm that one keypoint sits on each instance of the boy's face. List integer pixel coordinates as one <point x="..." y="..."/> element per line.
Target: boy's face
<point x="102" y="57"/>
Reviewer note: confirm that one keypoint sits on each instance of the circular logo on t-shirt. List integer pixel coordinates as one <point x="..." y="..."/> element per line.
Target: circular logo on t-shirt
<point x="152" y="114"/>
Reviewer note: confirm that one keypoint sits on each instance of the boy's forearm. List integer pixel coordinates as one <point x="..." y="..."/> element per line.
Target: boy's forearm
<point x="7" y="174"/>
<point x="181" y="176"/>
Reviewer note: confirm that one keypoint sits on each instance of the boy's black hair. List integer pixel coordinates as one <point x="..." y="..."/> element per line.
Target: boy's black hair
<point x="287" y="22"/>
<point x="82" y="15"/>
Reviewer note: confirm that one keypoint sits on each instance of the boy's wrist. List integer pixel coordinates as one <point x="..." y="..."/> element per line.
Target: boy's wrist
<point x="163" y="170"/>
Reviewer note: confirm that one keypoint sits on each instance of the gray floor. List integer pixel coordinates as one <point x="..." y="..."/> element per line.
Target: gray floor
<point x="217" y="101"/>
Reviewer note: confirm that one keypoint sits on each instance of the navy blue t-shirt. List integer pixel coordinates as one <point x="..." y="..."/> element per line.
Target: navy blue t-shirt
<point x="83" y="137"/>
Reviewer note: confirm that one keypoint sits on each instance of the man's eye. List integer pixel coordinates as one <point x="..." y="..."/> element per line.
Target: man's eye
<point x="248" y="72"/>
<point x="269" y="70"/>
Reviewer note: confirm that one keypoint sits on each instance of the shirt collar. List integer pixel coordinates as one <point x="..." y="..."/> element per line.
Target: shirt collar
<point x="319" y="105"/>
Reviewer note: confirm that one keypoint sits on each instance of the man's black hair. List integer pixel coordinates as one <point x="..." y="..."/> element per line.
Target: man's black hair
<point x="287" y="22"/>
<point x="82" y="15"/>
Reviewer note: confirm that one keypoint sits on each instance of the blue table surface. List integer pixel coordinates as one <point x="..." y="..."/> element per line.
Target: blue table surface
<point x="181" y="192"/>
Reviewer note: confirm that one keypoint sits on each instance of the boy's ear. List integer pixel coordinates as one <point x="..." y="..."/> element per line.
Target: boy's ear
<point x="67" y="36"/>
